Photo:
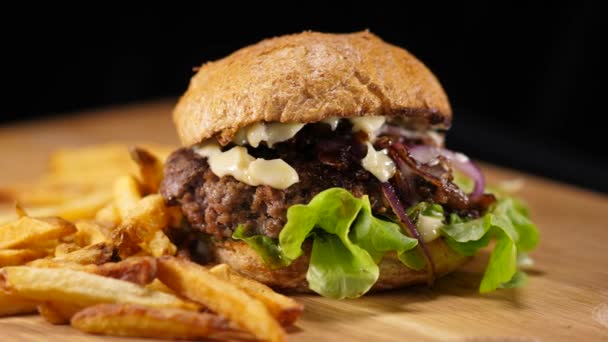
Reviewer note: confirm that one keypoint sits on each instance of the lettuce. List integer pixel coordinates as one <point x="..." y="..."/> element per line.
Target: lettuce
<point x="348" y="243"/>
<point x="508" y="223"/>
<point x="265" y="246"/>
<point x="340" y="270"/>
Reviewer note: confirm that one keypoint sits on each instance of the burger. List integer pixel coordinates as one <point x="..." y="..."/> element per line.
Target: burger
<point x="316" y="162"/>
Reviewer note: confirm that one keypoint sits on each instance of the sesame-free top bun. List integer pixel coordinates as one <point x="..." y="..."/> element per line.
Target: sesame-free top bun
<point x="307" y="77"/>
<point x="393" y="274"/>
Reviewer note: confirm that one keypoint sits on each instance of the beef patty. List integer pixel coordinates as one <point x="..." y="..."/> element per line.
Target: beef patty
<point x="217" y="205"/>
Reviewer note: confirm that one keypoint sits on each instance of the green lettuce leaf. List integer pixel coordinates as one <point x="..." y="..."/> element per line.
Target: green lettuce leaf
<point x="468" y="248"/>
<point x="348" y="242"/>
<point x="413" y="259"/>
<point x="265" y="246"/>
<point x="332" y="210"/>
<point x="340" y="270"/>
<point x="519" y="279"/>
<point x="507" y="222"/>
<point x="377" y="236"/>
<point x="503" y="261"/>
<point x="469" y="231"/>
<point x="517" y="214"/>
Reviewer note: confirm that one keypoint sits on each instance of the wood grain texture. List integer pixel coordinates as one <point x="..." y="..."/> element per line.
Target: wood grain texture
<point x="566" y="298"/>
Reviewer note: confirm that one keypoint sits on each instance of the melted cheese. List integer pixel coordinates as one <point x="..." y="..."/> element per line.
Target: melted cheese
<point x="428" y="227"/>
<point x="368" y="124"/>
<point x="378" y="163"/>
<point x="332" y="121"/>
<point x="271" y="133"/>
<point x="239" y="164"/>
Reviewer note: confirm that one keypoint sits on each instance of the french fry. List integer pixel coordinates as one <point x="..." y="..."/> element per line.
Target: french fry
<point x="7" y="216"/>
<point x="51" y="191"/>
<point x="53" y="263"/>
<point x="20" y="211"/>
<point x="89" y="233"/>
<point x="150" y="168"/>
<point x="108" y="215"/>
<point x="160" y="245"/>
<point x="82" y="207"/>
<point x="81" y="288"/>
<point x="136" y="270"/>
<point x="159" y="286"/>
<point x="50" y="315"/>
<point x="147" y="217"/>
<point x="27" y="231"/>
<point x="11" y="305"/>
<point x="142" y="321"/>
<point x="126" y="195"/>
<point x="65" y="248"/>
<point x="12" y="257"/>
<point x="57" y="313"/>
<point x="85" y="159"/>
<point x="196" y="283"/>
<point x="143" y="228"/>
<point x="94" y="254"/>
<point x="284" y="309"/>
<point x="46" y="245"/>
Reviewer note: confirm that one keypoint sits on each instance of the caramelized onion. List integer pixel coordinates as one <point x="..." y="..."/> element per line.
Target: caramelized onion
<point x="399" y="210"/>
<point x="429" y="155"/>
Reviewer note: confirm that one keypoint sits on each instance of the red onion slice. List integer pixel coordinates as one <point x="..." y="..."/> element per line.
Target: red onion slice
<point x="399" y="210"/>
<point x="429" y="155"/>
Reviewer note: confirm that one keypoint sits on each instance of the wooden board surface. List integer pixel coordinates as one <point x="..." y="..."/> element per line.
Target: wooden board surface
<point x="566" y="298"/>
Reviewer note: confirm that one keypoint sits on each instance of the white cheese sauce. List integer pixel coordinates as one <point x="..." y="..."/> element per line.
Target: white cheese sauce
<point x="368" y="124"/>
<point x="378" y="163"/>
<point x="428" y="227"/>
<point x="271" y="133"/>
<point x="277" y="173"/>
<point x="239" y="164"/>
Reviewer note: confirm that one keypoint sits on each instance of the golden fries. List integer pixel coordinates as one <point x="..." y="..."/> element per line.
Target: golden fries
<point x="83" y="207"/>
<point x="108" y="215"/>
<point x="143" y="321"/>
<point x="159" y="286"/>
<point x="12" y="257"/>
<point x="50" y="315"/>
<point x="136" y="270"/>
<point x="198" y="284"/>
<point x="90" y="233"/>
<point x="147" y="217"/>
<point x="14" y="305"/>
<point x="160" y="245"/>
<point x="143" y="227"/>
<point x="117" y="213"/>
<point x="26" y="231"/>
<point x="150" y="169"/>
<point x="284" y="309"/>
<point x="81" y="288"/>
<point x="57" y="313"/>
<point x="65" y="248"/>
<point x="89" y="159"/>
<point x="126" y="195"/>
<point x="94" y="254"/>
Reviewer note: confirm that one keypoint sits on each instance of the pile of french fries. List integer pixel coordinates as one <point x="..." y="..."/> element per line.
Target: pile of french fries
<point x="88" y="245"/>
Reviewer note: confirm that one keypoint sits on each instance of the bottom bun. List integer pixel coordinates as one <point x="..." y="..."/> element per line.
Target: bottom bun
<point x="393" y="274"/>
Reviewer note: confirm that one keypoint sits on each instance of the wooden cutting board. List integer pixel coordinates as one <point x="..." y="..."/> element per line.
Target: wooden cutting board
<point x="566" y="298"/>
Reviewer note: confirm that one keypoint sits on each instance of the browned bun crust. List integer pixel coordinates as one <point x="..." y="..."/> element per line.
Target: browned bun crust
<point x="393" y="274"/>
<point x="307" y="77"/>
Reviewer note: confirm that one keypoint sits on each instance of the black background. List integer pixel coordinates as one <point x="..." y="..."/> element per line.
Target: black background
<point x="526" y="81"/>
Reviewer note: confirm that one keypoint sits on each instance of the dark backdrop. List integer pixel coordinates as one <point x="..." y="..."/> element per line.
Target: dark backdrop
<point x="524" y="80"/>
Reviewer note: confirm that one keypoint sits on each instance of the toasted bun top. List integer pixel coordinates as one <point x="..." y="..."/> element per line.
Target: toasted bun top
<point x="307" y="77"/>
